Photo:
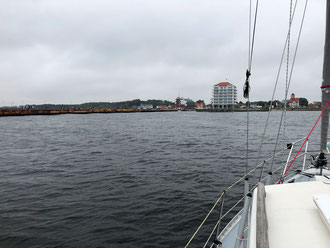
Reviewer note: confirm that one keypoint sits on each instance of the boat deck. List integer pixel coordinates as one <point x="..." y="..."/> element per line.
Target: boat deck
<point x="293" y="217"/>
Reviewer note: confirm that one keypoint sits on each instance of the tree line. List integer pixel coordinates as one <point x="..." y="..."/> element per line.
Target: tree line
<point x="101" y="105"/>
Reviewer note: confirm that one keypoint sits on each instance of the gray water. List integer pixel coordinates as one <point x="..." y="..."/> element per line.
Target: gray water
<point x="125" y="180"/>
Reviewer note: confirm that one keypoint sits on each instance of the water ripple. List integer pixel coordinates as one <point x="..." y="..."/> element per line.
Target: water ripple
<point x="133" y="180"/>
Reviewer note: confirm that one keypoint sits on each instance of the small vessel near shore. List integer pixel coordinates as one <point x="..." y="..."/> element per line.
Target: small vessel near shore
<point x="292" y="210"/>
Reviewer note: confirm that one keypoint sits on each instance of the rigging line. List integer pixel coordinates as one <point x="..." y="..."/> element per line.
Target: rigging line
<point x="247" y="137"/>
<point x="234" y="206"/>
<point x="296" y="49"/>
<point x="253" y="35"/>
<point x="287" y="69"/>
<point x="248" y="73"/>
<point x="306" y="138"/>
<point x="274" y="90"/>
<point x="251" y="190"/>
<point x="218" y="222"/>
<point x="288" y="49"/>
<point x="249" y="33"/>
<point x="262" y="171"/>
<point x="286" y="82"/>
<point x="286" y="92"/>
<point x="217" y="201"/>
<point x="193" y="236"/>
<point x="248" y="89"/>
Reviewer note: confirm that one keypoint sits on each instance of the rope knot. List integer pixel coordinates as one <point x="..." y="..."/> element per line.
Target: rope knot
<point x="246" y="89"/>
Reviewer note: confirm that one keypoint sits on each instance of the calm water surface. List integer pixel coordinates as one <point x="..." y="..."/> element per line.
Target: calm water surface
<point x="124" y="180"/>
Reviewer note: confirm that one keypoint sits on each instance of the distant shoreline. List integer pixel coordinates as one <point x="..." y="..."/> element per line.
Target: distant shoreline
<point x="28" y="112"/>
<point x="257" y="110"/>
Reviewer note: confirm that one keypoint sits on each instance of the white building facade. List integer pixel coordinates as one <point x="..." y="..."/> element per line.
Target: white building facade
<point x="224" y="95"/>
<point x="145" y="106"/>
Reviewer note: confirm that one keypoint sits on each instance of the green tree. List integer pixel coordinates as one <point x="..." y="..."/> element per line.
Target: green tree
<point x="200" y="101"/>
<point x="303" y="102"/>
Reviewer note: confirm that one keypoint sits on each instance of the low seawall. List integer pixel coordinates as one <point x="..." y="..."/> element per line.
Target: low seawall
<point x="18" y="112"/>
<point x="257" y="110"/>
<point x="27" y="112"/>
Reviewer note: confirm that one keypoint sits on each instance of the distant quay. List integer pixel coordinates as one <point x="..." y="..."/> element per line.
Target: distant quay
<point x="256" y="109"/>
<point x="26" y="112"/>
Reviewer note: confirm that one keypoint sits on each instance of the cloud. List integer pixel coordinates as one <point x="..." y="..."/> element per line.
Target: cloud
<point x="76" y="51"/>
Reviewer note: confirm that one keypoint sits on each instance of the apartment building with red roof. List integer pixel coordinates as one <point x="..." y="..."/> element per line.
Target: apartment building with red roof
<point x="224" y="95"/>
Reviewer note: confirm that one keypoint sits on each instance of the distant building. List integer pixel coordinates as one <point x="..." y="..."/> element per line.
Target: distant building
<point x="184" y="103"/>
<point x="224" y="95"/>
<point x="317" y="104"/>
<point x="180" y="103"/>
<point x="277" y="104"/>
<point x="200" y="105"/>
<point x="145" y="106"/>
<point x="162" y="107"/>
<point x="293" y="102"/>
<point x="190" y="104"/>
<point x="253" y="105"/>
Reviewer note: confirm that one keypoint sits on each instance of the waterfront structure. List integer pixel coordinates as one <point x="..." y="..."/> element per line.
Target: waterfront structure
<point x="293" y="102"/>
<point x="145" y="106"/>
<point x="180" y="103"/>
<point x="277" y="104"/>
<point x="200" y="105"/>
<point x="224" y="95"/>
<point x="184" y="103"/>
<point x="161" y="107"/>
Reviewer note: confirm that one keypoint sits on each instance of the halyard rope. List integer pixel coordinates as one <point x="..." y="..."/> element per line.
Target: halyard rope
<point x="275" y="86"/>
<point x="287" y="79"/>
<point x="287" y="89"/>
<point x="246" y="88"/>
<point x="305" y="139"/>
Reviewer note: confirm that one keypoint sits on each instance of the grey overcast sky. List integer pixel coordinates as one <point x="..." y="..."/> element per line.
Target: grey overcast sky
<point x="75" y="51"/>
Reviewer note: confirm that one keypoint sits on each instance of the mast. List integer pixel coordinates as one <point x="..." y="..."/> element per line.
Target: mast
<point x="326" y="82"/>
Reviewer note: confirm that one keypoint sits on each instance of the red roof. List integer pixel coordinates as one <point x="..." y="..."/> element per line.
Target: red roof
<point x="294" y="99"/>
<point x="223" y="84"/>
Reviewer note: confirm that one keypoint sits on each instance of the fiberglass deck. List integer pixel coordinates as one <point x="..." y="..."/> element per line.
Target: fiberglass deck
<point x="293" y="218"/>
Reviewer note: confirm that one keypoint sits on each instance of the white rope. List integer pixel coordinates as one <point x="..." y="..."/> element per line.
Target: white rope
<point x="215" y="204"/>
<point x="216" y="224"/>
<point x="286" y="81"/>
<point x="292" y="66"/>
<point x="217" y="201"/>
<point x="251" y="190"/>
<point x="206" y="217"/>
<point x="275" y="87"/>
